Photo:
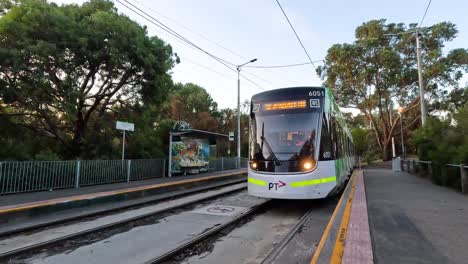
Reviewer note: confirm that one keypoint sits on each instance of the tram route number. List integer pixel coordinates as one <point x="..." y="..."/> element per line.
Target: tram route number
<point x="275" y="185"/>
<point x="317" y="93"/>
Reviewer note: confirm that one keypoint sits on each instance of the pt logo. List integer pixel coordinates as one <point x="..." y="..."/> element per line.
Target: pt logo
<point x="275" y="185"/>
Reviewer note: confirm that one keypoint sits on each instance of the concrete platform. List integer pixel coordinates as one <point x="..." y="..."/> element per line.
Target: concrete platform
<point x="35" y="209"/>
<point x="414" y="221"/>
<point x="395" y="217"/>
<point x="346" y="239"/>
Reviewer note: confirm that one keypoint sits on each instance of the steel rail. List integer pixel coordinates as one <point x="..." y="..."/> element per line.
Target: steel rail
<point x="275" y="251"/>
<point x="141" y="202"/>
<point x="204" y="235"/>
<point x="9" y="254"/>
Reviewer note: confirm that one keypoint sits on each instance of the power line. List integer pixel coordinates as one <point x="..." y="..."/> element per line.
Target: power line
<point x="282" y="66"/>
<point x="162" y="26"/>
<point x="206" y="68"/>
<point x="295" y="33"/>
<point x="192" y="31"/>
<point x="219" y="73"/>
<point x="425" y="12"/>
<point x="202" y="36"/>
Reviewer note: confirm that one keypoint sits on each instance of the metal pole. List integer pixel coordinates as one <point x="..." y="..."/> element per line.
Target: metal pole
<point x="421" y="84"/>
<point x="123" y="145"/>
<point x="238" y="115"/>
<point x="77" y="174"/>
<point x="129" y="162"/>
<point x="401" y="133"/>
<point x="169" y="159"/>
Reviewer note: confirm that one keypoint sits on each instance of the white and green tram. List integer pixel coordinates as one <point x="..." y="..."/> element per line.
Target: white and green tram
<point x="300" y="146"/>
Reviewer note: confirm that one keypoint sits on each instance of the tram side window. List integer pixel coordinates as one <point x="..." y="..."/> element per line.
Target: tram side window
<point x="336" y="138"/>
<point x="326" y="140"/>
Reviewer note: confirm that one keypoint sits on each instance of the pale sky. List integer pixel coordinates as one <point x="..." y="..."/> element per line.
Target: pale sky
<point x="238" y="31"/>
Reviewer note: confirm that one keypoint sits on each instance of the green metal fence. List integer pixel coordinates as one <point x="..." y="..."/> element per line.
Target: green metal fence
<point x="28" y="176"/>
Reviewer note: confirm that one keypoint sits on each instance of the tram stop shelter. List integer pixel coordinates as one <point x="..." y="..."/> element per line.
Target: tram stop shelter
<point x="190" y="150"/>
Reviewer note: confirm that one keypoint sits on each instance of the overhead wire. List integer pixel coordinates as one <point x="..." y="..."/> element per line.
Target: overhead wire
<point x="295" y="33"/>
<point x="425" y="12"/>
<point x="213" y="42"/>
<point x="281" y="66"/>
<point x="173" y="33"/>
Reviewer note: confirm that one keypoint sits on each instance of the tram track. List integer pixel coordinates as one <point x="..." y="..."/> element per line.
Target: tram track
<point x="106" y="210"/>
<point x="279" y="247"/>
<point x="207" y="234"/>
<point x="20" y="243"/>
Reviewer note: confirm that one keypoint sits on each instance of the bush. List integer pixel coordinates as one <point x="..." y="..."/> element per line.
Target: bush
<point x="444" y="142"/>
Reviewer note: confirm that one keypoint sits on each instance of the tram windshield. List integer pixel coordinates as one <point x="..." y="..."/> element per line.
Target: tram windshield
<point x="284" y="137"/>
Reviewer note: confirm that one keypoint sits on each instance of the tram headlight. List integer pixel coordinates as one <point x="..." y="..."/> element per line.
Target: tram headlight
<point x="308" y="165"/>
<point x="254" y="165"/>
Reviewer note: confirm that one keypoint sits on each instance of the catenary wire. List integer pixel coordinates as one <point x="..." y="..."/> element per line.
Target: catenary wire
<point x="202" y="36"/>
<point x="425" y="12"/>
<point x="295" y="33"/>
<point x="180" y="37"/>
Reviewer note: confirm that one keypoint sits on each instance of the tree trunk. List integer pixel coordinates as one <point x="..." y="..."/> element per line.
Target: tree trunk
<point x="385" y="152"/>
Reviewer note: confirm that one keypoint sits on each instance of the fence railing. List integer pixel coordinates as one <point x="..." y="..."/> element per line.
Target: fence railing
<point x="229" y="163"/>
<point x="453" y="175"/>
<point x="30" y="176"/>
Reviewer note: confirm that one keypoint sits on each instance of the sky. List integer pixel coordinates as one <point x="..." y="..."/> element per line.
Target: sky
<point x="238" y="31"/>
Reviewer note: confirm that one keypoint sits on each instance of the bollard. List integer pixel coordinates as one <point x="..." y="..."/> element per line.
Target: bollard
<point x="464" y="179"/>
<point x="77" y="175"/>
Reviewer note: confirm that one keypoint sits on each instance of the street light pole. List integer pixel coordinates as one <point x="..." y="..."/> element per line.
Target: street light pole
<point x="238" y="67"/>
<point x="420" y="78"/>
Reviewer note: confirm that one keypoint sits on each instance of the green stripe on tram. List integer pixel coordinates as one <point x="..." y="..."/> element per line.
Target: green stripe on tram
<point x="312" y="182"/>
<point x="256" y="181"/>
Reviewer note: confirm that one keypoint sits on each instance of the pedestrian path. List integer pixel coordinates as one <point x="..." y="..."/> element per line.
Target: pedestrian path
<point x="414" y="221"/>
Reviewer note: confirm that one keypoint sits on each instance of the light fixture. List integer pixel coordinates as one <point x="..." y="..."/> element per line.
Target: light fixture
<point x="254" y="165"/>
<point x="307" y="165"/>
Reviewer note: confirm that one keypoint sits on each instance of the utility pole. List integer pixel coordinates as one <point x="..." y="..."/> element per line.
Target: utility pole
<point x="420" y="77"/>
<point x="238" y="67"/>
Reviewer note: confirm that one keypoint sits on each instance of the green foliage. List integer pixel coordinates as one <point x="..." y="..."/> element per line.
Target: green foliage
<point x="64" y="67"/>
<point x="360" y="140"/>
<point x="444" y="141"/>
<point x="383" y="60"/>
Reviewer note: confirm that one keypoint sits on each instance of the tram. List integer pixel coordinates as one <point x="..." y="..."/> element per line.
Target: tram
<point x="299" y="144"/>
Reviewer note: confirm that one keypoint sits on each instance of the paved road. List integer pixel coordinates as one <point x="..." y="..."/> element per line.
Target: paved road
<point x="415" y="221"/>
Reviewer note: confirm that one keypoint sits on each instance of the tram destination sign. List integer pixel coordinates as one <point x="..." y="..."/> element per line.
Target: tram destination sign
<point x="285" y="105"/>
<point x="125" y="126"/>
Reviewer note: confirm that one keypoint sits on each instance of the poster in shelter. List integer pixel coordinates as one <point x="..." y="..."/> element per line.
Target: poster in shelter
<point x="190" y="153"/>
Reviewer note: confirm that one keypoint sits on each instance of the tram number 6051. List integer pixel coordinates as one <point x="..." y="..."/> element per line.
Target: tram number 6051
<point x="316" y="93"/>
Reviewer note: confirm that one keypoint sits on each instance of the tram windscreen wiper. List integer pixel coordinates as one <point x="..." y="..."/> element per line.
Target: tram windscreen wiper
<point x="272" y="154"/>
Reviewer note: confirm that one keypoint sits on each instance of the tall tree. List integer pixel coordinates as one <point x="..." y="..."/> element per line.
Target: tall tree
<point x="379" y="70"/>
<point x="63" y="67"/>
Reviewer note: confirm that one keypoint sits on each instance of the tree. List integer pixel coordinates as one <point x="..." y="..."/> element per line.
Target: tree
<point x="360" y="141"/>
<point x="64" y="67"/>
<point x="191" y="103"/>
<point x="378" y="71"/>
